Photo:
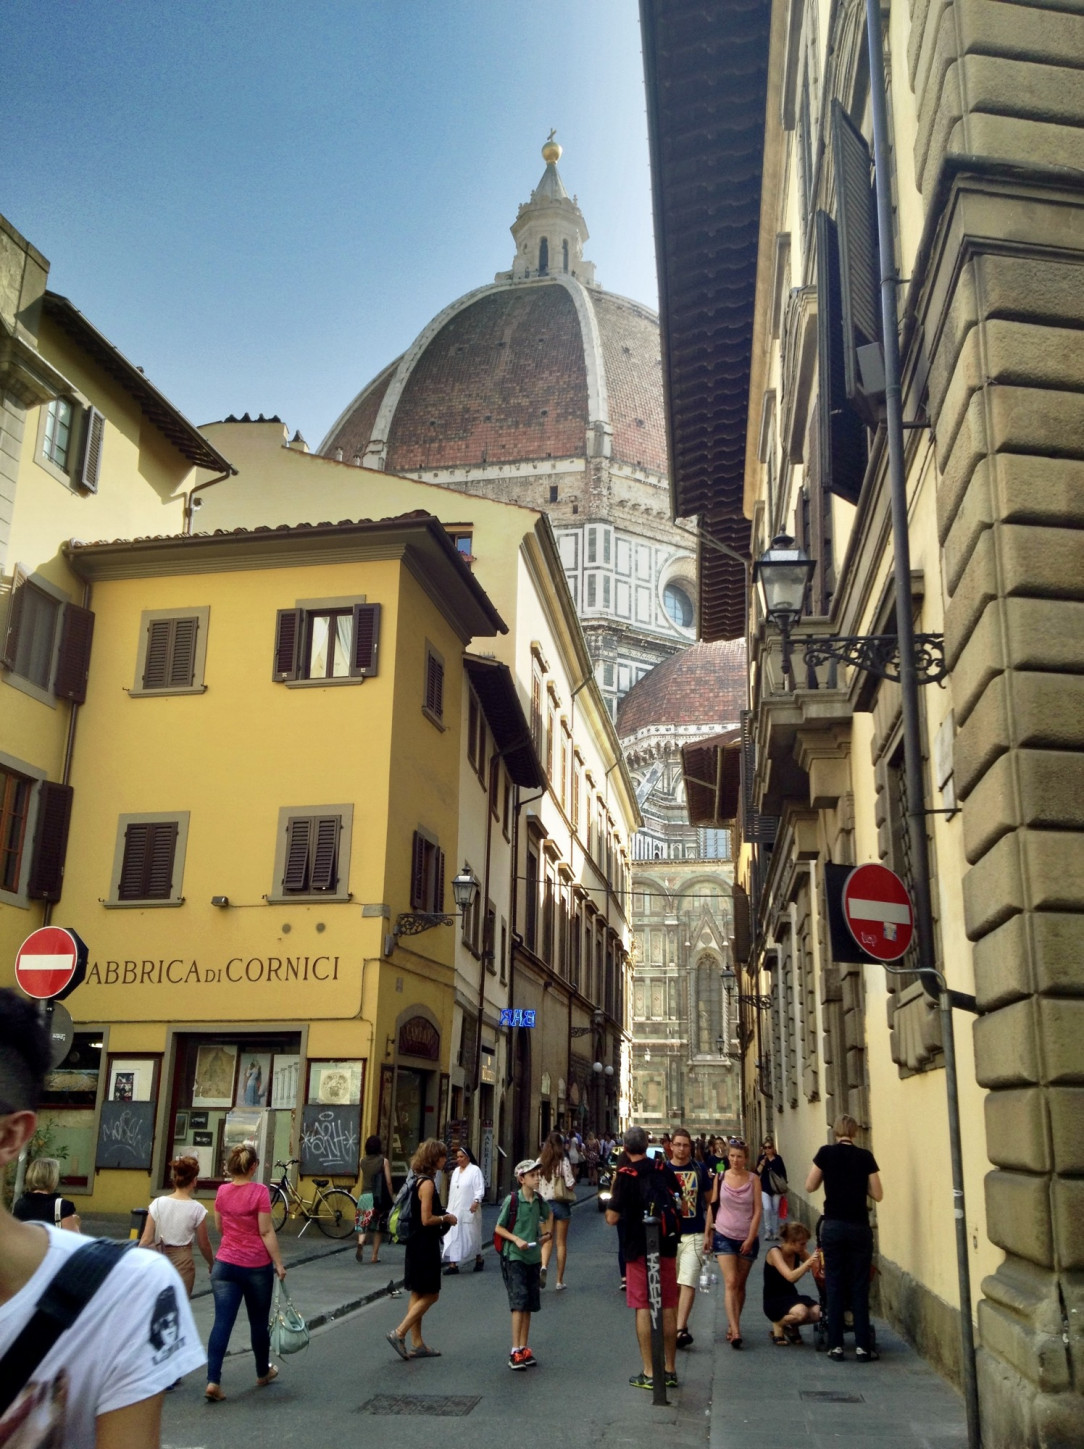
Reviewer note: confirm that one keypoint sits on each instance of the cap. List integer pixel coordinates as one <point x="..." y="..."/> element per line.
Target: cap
<point x="527" y="1165"/>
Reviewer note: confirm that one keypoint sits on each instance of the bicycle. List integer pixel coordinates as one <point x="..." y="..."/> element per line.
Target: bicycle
<point x="332" y="1209"/>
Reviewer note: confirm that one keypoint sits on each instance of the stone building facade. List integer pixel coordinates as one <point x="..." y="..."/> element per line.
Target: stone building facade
<point x="985" y="109"/>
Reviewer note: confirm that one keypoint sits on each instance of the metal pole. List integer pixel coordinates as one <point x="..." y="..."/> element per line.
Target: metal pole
<point x="654" y="1299"/>
<point x="909" y="701"/>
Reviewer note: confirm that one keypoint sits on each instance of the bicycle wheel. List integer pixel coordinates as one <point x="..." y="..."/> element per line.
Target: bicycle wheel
<point x="279" y="1208"/>
<point x="334" y="1213"/>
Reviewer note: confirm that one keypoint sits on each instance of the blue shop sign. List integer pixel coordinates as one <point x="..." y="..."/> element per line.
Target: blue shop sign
<point x="516" y="1016"/>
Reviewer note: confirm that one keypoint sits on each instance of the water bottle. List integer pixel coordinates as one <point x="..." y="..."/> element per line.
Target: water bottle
<point x="705" y="1279"/>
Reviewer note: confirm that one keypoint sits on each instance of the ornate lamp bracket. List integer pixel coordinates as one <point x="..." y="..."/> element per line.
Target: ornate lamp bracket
<point x="413" y="923"/>
<point x="879" y="654"/>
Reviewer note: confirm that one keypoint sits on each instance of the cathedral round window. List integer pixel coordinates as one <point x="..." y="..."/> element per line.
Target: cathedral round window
<point x="678" y="605"/>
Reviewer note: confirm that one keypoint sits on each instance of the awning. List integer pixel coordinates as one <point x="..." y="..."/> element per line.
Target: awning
<point x="496" y="691"/>
<point x="712" y="771"/>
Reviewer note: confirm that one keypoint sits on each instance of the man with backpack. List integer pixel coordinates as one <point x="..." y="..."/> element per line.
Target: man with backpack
<point x="87" y="1370"/>
<point x="648" y="1187"/>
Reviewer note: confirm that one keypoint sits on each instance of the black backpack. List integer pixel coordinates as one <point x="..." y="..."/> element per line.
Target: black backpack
<point x="658" y="1198"/>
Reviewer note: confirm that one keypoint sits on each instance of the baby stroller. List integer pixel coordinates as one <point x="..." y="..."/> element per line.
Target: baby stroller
<point x="820" y="1328"/>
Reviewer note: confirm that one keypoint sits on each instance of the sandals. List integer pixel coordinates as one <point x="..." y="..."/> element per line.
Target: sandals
<point x="424" y="1352"/>
<point x="398" y="1344"/>
<point x="782" y="1341"/>
<point x="792" y="1333"/>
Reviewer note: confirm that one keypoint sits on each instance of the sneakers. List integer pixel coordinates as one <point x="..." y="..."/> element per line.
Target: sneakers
<point x="641" y="1381"/>
<point x="684" y="1338"/>
<point x="542" y="1278"/>
<point x="863" y="1355"/>
<point x="836" y="1355"/>
<point x="671" y="1379"/>
<point x="522" y="1358"/>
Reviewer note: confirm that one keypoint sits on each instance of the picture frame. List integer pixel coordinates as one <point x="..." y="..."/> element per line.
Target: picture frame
<point x="203" y="1139"/>
<point x="216" y="1072"/>
<point x="198" y="1120"/>
<point x="336" y="1083"/>
<point x="285" y="1071"/>
<point x="180" y="1127"/>
<point x="131" y="1079"/>
<point x="253" y="1080"/>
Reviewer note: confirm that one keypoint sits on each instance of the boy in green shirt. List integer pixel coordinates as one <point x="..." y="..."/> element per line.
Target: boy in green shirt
<point x="521" y="1258"/>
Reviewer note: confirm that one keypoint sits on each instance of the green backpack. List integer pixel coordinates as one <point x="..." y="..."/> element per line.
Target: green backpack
<point x="401" y="1217"/>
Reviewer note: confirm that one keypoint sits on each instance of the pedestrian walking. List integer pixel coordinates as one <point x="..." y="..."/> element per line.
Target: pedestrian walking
<point x="641" y="1184"/>
<point x="247" y="1262"/>
<point x="592" y="1150"/>
<point x="772" y="1172"/>
<point x="694" y="1185"/>
<point x="102" y="1380"/>
<point x="466" y="1190"/>
<point x="850" y="1176"/>
<point x="736" y="1203"/>
<point x="557" y="1185"/>
<point x="519" y="1224"/>
<point x="175" y="1222"/>
<point x="41" y="1203"/>
<point x="376" y="1184"/>
<point x="421" y="1274"/>
<point x="784" y="1306"/>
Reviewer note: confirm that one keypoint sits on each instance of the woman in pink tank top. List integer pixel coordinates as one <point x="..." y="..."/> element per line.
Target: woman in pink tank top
<point x="733" y="1233"/>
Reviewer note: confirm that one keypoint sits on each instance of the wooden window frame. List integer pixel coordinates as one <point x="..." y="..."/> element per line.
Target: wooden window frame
<point x="151" y="623"/>
<point x="293" y="628"/>
<point x="434" y="680"/>
<point x="289" y="847"/>
<point x="81" y="468"/>
<point x="179" y="820"/>
<point x="426" y="873"/>
<point x="16" y="804"/>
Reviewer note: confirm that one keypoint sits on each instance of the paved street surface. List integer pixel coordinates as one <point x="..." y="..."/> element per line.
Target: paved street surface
<point x="349" y="1381"/>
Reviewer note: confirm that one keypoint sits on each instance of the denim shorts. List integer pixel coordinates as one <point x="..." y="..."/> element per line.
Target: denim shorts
<point x="522" y="1280"/>
<point x="731" y="1248"/>
<point x="562" y="1211"/>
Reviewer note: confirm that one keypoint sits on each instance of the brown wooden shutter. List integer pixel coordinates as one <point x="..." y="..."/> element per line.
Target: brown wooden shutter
<point x="438" y="881"/>
<point x="859" y="264"/>
<point x="156" y="665"/>
<point x="434" y="686"/>
<point x="50" y="841"/>
<point x="841" y="431"/>
<point x="14" y="619"/>
<point x="73" y="658"/>
<point x="182" y="668"/>
<point x="417" y="873"/>
<point x="147" y="869"/>
<point x="298" y="851"/>
<point x="90" y="456"/>
<point x="366" y="640"/>
<point x="323" y="875"/>
<point x="287" y="638"/>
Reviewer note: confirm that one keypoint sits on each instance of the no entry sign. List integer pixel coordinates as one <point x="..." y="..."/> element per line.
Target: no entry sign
<point x="50" y="963"/>
<point x="877" y="909"/>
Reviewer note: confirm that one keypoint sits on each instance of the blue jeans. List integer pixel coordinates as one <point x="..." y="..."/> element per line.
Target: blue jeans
<point x="848" y="1254"/>
<point x="230" y="1284"/>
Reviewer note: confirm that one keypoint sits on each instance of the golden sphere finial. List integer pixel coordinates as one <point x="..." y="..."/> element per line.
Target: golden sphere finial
<point x="551" y="151"/>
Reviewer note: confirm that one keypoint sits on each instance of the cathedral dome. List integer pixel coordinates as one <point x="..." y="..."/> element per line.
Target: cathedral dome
<point x="702" y="685"/>
<point x="540" y="364"/>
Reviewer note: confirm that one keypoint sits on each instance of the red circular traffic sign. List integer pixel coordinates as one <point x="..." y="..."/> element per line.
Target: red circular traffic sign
<point x="878" y="911"/>
<point x="47" y="961"/>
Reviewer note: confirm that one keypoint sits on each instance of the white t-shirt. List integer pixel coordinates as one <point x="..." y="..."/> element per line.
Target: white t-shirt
<point x="177" y="1219"/>
<point x="134" y="1337"/>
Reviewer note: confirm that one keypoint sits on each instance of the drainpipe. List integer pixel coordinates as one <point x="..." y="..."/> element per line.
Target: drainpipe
<point x="191" y="502"/>
<point x="69" y="750"/>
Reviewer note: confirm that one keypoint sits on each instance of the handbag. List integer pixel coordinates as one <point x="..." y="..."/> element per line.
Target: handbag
<point x="289" y="1331"/>
<point x="779" y="1184"/>
<point x="561" y="1190"/>
<point x="364" y="1212"/>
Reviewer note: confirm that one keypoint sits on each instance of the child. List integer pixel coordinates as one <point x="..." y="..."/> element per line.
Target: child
<point x="521" y="1259"/>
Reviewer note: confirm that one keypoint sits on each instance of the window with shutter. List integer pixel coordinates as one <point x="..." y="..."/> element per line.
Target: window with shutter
<point x="31" y="635"/>
<point x="50" y="841"/>
<point x="172" y="651"/>
<point x="148" y="863"/>
<point x="312" y="856"/>
<point x="90" y="457"/>
<point x="15" y="792"/>
<point x="56" y="439"/>
<point x="840" y="430"/>
<point x="326" y="641"/>
<point x="859" y="263"/>
<point x="426" y="874"/>
<point x="433" y="704"/>
<point x="73" y="658"/>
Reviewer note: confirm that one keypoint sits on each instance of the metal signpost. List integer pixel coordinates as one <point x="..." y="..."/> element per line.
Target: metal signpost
<point x="654" y="1302"/>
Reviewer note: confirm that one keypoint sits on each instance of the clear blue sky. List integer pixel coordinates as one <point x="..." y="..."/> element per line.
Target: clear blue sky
<point x="262" y="202"/>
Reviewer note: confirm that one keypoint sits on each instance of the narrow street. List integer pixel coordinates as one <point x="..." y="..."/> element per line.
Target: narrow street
<point x="584" y="1341"/>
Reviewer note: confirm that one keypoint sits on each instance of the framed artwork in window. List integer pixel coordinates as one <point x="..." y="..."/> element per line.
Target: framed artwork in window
<point x="335" y="1084"/>
<point x="216" y="1068"/>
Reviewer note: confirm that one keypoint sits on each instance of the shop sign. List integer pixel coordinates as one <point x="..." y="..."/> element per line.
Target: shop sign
<point x="418" y="1037"/>
<point x="544" y="1087"/>
<point x="488" y="1071"/>
<point x="241" y="970"/>
<point x="517" y="1016"/>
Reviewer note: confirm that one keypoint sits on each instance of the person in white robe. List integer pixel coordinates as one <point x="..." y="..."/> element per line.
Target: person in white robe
<point x="466" y="1189"/>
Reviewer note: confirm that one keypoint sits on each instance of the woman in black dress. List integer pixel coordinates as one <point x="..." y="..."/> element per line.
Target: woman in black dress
<point x="783" y="1304"/>
<point x="41" y="1203"/>
<point x="422" y="1271"/>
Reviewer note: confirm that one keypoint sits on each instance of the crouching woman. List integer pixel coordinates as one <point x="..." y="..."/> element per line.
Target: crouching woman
<point x="783" y="1267"/>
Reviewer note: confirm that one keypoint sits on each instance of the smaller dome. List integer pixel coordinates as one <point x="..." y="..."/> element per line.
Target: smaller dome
<point x="702" y="685"/>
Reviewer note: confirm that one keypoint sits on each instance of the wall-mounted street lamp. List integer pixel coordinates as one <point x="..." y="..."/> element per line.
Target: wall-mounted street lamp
<point x="413" y="923"/>
<point x="781" y="576"/>
<point x="730" y="983"/>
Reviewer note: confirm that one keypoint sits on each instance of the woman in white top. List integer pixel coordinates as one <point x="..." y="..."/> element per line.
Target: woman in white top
<point x="173" y="1222"/>
<point x="558" y="1186"/>
<point x="466" y="1189"/>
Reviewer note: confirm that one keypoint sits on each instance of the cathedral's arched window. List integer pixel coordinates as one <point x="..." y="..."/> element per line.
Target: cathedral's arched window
<point x="678" y="605"/>
<point x="543" y="257"/>
<point x="564" y="249"/>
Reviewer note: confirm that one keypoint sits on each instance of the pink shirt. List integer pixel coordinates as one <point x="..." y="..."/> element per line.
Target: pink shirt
<point x="734" y="1215"/>
<point x="237" y="1205"/>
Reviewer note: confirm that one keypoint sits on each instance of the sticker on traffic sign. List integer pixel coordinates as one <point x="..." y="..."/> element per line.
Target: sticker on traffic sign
<point x="878" y="911"/>
<point x="50" y="963"/>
